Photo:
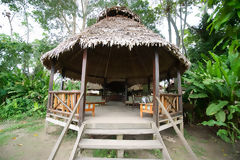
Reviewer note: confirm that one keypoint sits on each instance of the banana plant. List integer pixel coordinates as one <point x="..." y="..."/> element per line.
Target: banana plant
<point x="214" y="88"/>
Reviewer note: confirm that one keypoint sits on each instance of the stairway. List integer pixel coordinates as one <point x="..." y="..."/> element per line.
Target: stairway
<point x="96" y="136"/>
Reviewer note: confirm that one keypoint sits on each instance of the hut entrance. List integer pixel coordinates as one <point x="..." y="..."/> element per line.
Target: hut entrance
<point x="115" y="91"/>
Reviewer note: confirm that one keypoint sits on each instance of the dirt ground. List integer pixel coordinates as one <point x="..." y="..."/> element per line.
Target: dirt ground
<point x="26" y="140"/>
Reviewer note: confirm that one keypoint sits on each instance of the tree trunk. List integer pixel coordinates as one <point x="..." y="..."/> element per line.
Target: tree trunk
<point x="84" y="12"/>
<point x="169" y="27"/>
<point x="176" y="31"/>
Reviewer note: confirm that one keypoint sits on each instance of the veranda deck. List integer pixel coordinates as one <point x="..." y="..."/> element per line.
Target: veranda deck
<point x="115" y="112"/>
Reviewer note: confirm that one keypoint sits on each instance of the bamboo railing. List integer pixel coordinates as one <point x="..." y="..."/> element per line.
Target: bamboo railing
<point x="63" y="102"/>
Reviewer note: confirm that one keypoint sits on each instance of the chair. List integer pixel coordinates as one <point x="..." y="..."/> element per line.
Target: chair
<point x="146" y="108"/>
<point x="90" y="107"/>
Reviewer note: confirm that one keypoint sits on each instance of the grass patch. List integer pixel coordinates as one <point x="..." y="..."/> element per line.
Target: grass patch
<point x="105" y="153"/>
<point x="71" y="134"/>
<point x="157" y="153"/>
<point x="34" y="128"/>
<point x="188" y="136"/>
<point x="19" y="126"/>
<point x="4" y="139"/>
<point x="199" y="151"/>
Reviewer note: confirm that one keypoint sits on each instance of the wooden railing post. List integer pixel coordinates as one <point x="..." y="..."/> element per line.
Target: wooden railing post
<point x="156" y="87"/>
<point x="83" y="88"/>
<point x="50" y="88"/>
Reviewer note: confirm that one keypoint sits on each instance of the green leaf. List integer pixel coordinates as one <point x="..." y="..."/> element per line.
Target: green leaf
<point x="212" y="123"/>
<point x="223" y="134"/>
<point x="221" y="116"/>
<point x="200" y="95"/>
<point x="215" y="107"/>
<point x="238" y="14"/>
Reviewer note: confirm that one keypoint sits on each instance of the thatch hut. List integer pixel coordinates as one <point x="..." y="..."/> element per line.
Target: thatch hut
<point x="118" y="48"/>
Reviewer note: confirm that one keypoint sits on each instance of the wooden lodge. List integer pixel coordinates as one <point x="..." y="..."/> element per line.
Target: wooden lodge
<point x="117" y="49"/>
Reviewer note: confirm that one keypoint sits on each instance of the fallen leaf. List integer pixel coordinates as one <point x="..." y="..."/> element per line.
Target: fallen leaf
<point x="224" y="154"/>
<point x="20" y="144"/>
<point x="35" y="135"/>
<point x="14" y="138"/>
<point x="1" y="130"/>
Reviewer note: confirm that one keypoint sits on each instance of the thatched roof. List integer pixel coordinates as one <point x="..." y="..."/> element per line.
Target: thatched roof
<point x="94" y="86"/>
<point x="119" y="47"/>
<point x="136" y="87"/>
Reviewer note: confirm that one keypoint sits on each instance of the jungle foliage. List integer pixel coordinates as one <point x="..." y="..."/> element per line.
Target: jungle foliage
<point x="23" y="81"/>
<point x="213" y="83"/>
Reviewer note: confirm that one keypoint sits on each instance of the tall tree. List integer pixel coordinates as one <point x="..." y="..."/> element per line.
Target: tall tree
<point x="175" y="11"/>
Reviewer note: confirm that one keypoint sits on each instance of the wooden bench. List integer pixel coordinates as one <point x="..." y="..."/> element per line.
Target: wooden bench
<point x="170" y="102"/>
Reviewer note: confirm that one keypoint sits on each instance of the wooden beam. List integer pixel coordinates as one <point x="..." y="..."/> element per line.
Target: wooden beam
<point x="179" y="86"/>
<point x="83" y="88"/>
<point x="50" y="88"/>
<point x="156" y="87"/>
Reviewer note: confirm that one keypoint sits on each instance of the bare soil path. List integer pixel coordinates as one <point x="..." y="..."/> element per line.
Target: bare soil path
<point x="26" y="140"/>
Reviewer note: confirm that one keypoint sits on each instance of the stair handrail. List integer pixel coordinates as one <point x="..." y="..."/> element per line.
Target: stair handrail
<point x="165" y="151"/>
<point x="60" y="138"/>
<point x="80" y="131"/>
<point x="183" y="140"/>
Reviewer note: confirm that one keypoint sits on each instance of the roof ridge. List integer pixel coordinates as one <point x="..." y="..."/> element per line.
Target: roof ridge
<point x="116" y="11"/>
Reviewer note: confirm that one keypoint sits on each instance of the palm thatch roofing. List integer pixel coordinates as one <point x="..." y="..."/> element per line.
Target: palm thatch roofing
<point x="118" y="47"/>
<point x="94" y="86"/>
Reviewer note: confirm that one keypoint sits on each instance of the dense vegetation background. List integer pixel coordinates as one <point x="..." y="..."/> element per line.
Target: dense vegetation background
<point x="212" y="84"/>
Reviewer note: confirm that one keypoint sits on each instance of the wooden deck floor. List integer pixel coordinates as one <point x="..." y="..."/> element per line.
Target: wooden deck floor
<point x="117" y="112"/>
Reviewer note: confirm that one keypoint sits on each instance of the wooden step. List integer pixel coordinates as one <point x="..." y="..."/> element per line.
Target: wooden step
<point x="118" y="131"/>
<point x="92" y="158"/>
<point x="119" y="144"/>
<point x="118" y="125"/>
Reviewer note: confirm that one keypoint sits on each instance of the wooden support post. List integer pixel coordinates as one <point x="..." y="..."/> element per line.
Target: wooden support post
<point x="179" y="91"/>
<point x="104" y="88"/>
<point x="126" y="91"/>
<point x="120" y="152"/>
<point x="50" y="88"/>
<point x="62" y="79"/>
<point x="156" y="88"/>
<point x="180" y="99"/>
<point x="50" y="98"/>
<point x="83" y="88"/>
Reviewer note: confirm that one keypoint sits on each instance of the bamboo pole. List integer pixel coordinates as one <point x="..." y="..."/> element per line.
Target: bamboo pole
<point x="80" y="131"/>
<point x="185" y="143"/>
<point x="165" y="151"/>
